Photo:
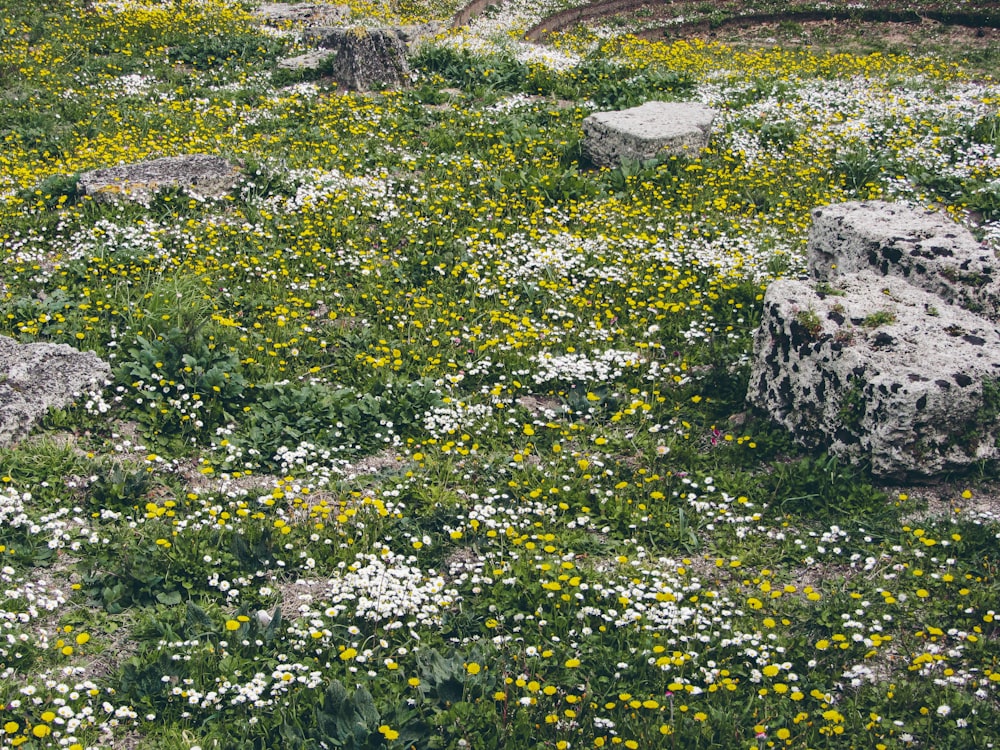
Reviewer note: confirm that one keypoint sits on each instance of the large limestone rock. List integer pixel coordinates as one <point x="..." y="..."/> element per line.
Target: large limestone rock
<point x="204" y="175"/>
<point x="366" y="59"/>
<point x="927" y="249"/>
<point x="37" y="377"/>
<point x="646" y="132"/>
<point x="880" y="371"/>
<point x="871" y="367"/>
<point x="353" y="72"/>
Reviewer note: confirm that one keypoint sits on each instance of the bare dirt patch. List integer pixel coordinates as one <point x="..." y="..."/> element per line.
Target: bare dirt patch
<point x="301" y="593"/>
<point x="941" y="500"/>
<point x="859" y="37"/>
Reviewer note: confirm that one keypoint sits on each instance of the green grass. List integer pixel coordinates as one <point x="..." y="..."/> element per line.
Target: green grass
<point x="433" y="435"/>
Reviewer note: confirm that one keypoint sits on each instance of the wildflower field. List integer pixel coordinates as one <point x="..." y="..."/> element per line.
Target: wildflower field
<point x="432" y="435"/>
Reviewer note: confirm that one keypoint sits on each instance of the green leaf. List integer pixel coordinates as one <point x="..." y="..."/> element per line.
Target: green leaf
<point x="273" y="627"/>
<point x="365" y="705"/>
<point x="196" y="619"/>
<point x="169" y="597"/>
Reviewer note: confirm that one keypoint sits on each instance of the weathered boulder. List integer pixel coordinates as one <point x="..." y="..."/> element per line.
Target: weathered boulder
<point x="39" y="377"/>
<point x="647" y="132"/>
<point x="866" y="364"/>
<point x="201" y="174"/>
<point x="307" y="14"/>
<point x="879" y="370"/>
<point x="366" y="59"/>
<point x="927" y="249"/>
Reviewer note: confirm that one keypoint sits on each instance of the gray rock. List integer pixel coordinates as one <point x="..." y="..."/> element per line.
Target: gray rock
<point x="413" y="35"/>
<point x="927" y="249"/>
<point x="39" y="377"/>
<point x="308" y="14"/>
<point x="367" y="59"/>
<point x="880" y="371"/>
<point x="892" y="352"/>
<point x="312" y="60"/>
<point x="647" y="132"/>
<point x="204" y="175"/>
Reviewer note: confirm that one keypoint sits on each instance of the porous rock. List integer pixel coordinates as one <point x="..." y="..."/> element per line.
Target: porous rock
<point x="201" y="174"/>
<point x="869" y="365"/>
<point x="883" y="372"/>
<point x="926" y="248"/>
<point x="38" y="377"/>
<point x="307" y="14"/>
<point x="647" y="132"/>
<point x="366" y="59"/>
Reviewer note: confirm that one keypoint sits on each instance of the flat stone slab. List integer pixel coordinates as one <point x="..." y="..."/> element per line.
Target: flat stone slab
<point x="312" y="60"/>
<point x="646" y="132"/>
<point x="926" y="248"/>
<point x="879" y="371"/>
<point x="37" y="377"/>
<point x="208" y="176"/>
<point x="307" y="14"/>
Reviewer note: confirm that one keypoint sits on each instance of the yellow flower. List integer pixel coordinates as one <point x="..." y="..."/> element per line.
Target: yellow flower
<point x="572" y="663"/>
<point x="232" y="625"/>
<point x="348" y="653"/>
<point x="473" y="668"/>
<point x="387" y="732"/>
<point x="41" y="730"/>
